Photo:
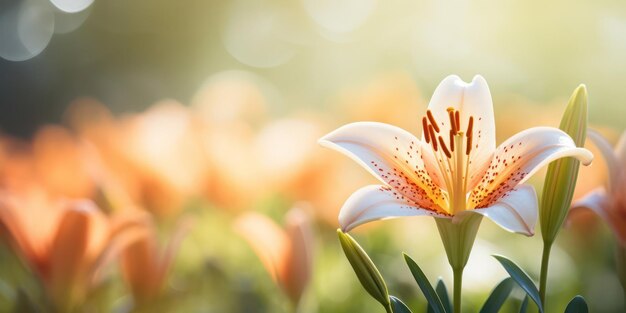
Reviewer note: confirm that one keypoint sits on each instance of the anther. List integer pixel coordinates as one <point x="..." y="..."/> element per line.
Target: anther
<point x="444" y="148"/>
<point x="458" y="121"/>
<point x="431" y="118"/>
<point x="453" y="125"/>
<point x="470" y="135"/>
<point x="432" y="136"/>
<point x="452" y="140"/>
<point x="469" y="145"/>
<point x="470" y="127"/>
<point x="425" y="129"/>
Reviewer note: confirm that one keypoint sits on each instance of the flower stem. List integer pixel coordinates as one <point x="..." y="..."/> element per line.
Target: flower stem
<point x="543" y="279"/>
<point x="458" y="286"/>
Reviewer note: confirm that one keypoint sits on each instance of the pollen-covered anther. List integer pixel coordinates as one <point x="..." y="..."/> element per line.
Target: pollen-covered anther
<point x="433" y="122"/>
<point x="425" y="129"/>
<point x="444" y="148"/>
<point x="432" y="136"/>
<point x="452" y="140"/>
<point x="454" y="128"/>
<point x="470" y="135"/>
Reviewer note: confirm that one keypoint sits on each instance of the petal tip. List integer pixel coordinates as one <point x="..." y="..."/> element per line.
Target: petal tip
<point x="585" y="156"/>
<point x="479" y="79"/>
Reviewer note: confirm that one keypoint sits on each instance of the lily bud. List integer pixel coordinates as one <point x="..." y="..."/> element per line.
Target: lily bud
<point x="560" y="180"/>
<point x="364" y="268"/>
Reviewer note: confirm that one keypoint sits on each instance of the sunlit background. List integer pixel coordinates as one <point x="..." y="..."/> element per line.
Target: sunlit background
<point x="191" y="126"/>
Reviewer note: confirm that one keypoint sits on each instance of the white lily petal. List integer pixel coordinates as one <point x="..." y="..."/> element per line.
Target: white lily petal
<point x="596" y="201"/>
<point x="470" y="99"/>
<point x="620" y="149"/>
<point x="377" y="202"/>
<point x="612" y="163"/>
<point x="392" y="155"/>
<point x="516" y="211"/>
<point x="521" y="156"/>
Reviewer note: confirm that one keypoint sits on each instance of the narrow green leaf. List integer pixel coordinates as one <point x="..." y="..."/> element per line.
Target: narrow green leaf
<point x="498" y="296"/>
<point x="442" y="291"/>
<point x="524" y="307"/>
<point x="425" y="286"/>
<point x="577" y="305"/>
<point x="364" y="268"/>
<point x="398" y="306"/>
<point x="522" y="279"/>
<point x="558" y="188"/>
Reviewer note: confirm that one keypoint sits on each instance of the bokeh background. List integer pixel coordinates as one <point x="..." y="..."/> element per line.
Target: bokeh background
<point x="205" y="114"/>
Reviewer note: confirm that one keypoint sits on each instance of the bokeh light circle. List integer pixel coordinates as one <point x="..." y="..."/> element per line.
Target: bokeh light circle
<point x="71" y="6"/>
<point x="255" y="35"/>
<point x="25" y="30"/>
<point x="340" y="16"/>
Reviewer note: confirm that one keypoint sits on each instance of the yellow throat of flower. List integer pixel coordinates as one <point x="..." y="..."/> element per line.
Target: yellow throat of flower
<point x="453" y="155"/>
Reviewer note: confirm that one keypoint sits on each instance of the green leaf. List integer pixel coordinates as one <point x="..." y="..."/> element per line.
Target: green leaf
<point x="498" y="296"/>
<point x="364" y="268"/>
<point x="577" y="305"/>
<point x="398" y="306"/>
<point x="442" y="292"/>
<point x="425" y="286"/>
<point x="558" y="187"/>
<point x="522" y="279"/>
<point x="524" y="307"/>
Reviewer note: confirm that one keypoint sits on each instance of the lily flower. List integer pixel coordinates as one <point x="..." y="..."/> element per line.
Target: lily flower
<point x="145" y="264"/>
<point x="609" y="201"/>
<point x="65" y="243"/>
<point x="286" y="253"/>
<point x="455" y="169"/>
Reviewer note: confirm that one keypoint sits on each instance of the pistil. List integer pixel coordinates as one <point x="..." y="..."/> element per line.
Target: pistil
<point x="459" y="199"/>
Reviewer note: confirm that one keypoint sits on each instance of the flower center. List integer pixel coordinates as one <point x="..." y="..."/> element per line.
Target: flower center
<point x="452" y="152"/>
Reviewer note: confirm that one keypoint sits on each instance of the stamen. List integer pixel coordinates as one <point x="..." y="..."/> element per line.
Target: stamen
<point x="432" y="135"/>
<point x="453" y="126"/>
<point x="432" y="121"/>
<point x="452" y="140"/>
<point x="470" y="135"/>
<point x="458" y="121"/>
<point x="425" y="129"/>
<point x="470" y="126"/>
<point x="444" y="148"/>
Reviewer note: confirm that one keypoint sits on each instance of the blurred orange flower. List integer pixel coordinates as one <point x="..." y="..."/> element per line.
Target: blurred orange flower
<point x="229" y="106"/>
<point x="55" y="160"/>
<point x="65" y="243"/>
<point x="609" y="199"/>
<point x="287" y="254"/>
<point x="390" y="98"/>
<point x="152" y="159"/>
<point x="145" y="265"/>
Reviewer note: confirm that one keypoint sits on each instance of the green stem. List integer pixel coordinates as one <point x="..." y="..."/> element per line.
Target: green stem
<point x="458" y="286"/>
<point x="543" y="279"/>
